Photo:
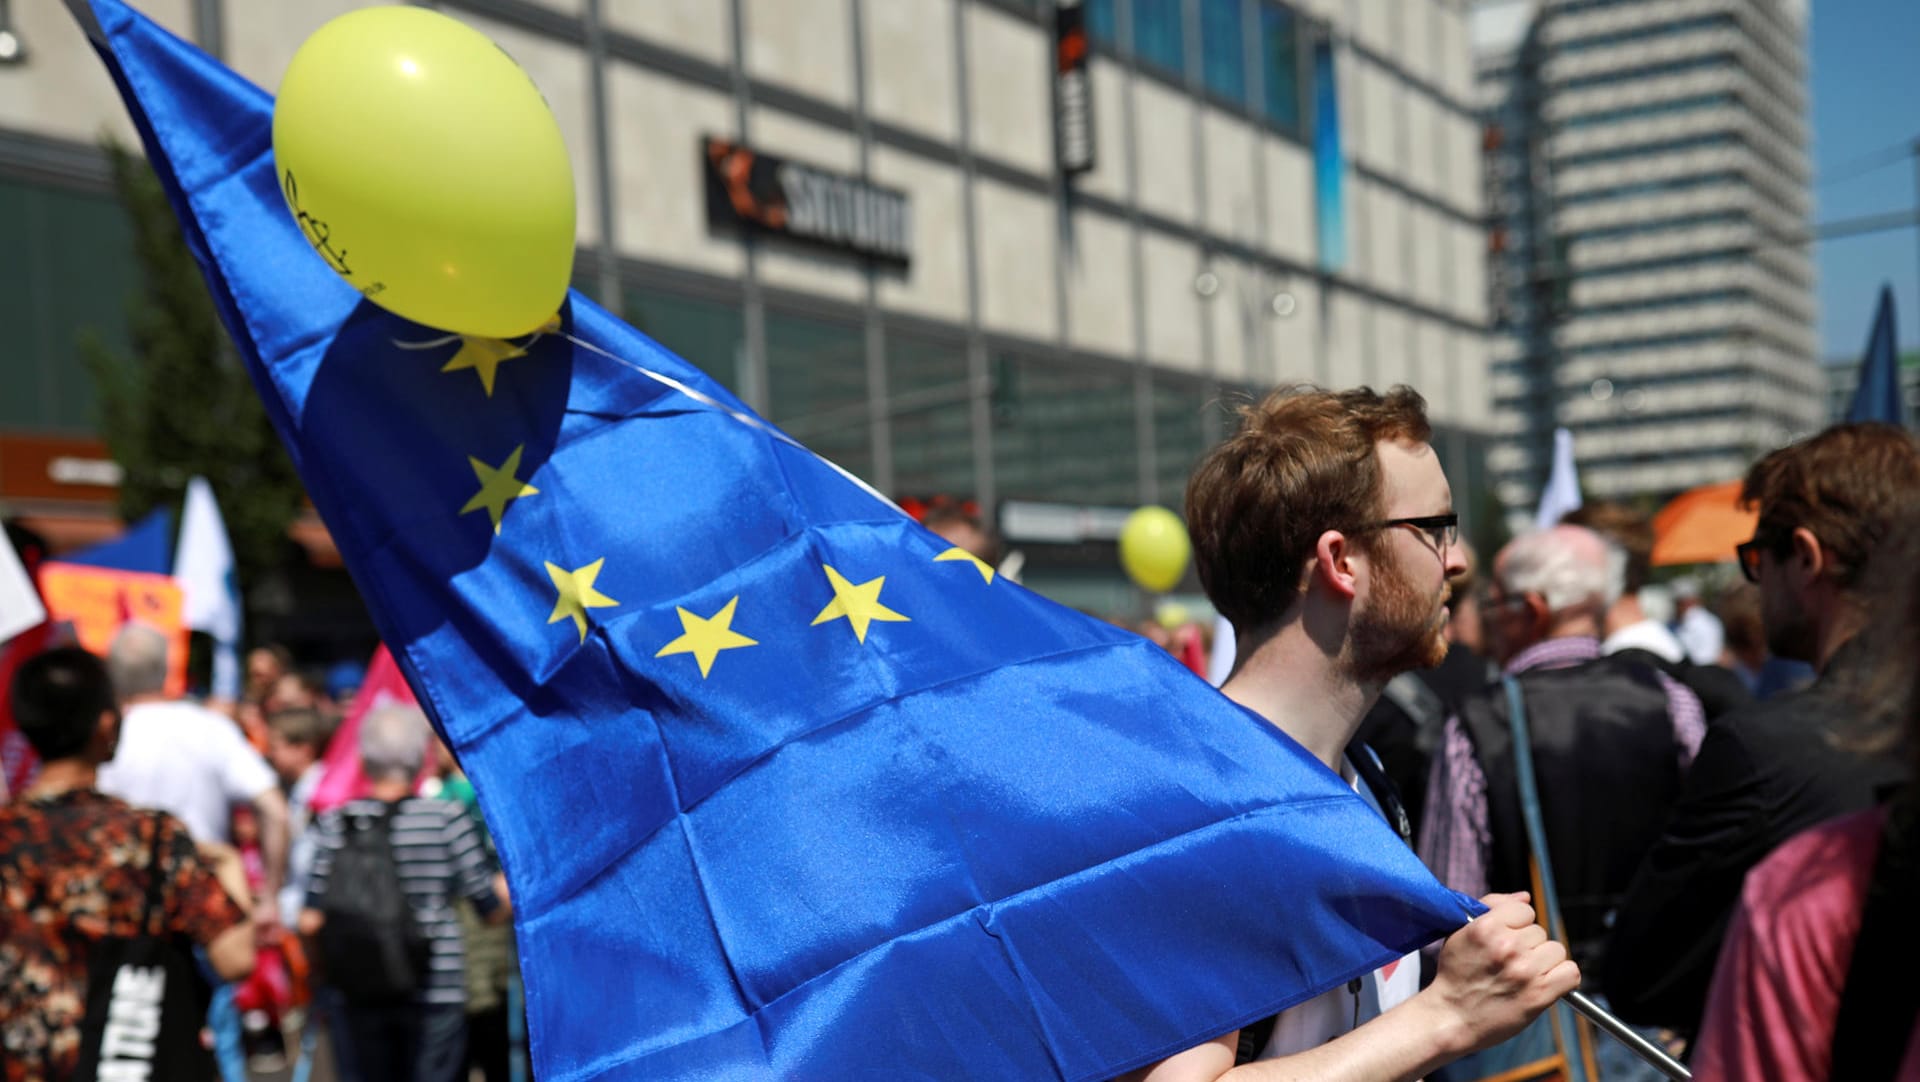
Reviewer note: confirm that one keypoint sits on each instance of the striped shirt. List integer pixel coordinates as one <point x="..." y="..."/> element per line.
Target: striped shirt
<point x="1456" y="838"/>
<point x="439" y="857"/>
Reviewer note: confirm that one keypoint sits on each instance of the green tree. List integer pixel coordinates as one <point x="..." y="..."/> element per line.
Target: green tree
<point x="180" y="403"/>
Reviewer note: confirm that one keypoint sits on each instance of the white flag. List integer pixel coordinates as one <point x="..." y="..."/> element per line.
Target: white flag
<point x="1562" y="493"/>
<point x="20" y="606"/>
<point x="203" y="565"/>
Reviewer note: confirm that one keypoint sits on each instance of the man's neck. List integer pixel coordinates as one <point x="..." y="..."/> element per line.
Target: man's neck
<point x="1836" y="633"/>
<point x="145" y="698"/>
<point x="389" y="790"/>
<point x="1292" y="683"/>
<point x="61" y="776"/>
<point x="1625" y="613"/>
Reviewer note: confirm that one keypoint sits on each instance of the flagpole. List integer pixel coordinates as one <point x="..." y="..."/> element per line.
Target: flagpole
<point x="1654" y="1055"/>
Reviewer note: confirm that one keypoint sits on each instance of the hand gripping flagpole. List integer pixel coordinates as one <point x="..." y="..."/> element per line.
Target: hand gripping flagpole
<point x="1654" y="1055"/>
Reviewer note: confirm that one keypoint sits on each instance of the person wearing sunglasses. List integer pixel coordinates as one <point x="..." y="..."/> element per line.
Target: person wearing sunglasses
<point x="1324" y="531"/>
<point x="1771" y="769"/>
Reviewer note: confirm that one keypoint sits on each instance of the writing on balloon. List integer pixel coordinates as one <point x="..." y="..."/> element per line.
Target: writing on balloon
<point x="319" y="234"/>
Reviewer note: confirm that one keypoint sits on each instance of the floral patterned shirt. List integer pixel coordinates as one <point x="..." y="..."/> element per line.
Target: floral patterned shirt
<point x="73" y="871"/>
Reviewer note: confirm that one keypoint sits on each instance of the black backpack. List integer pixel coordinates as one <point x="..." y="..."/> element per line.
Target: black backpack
<point x="371" y="943"/>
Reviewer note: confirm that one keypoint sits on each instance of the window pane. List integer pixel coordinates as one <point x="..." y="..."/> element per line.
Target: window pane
<point x="1156" y="34"/>
<point x="1223" y="53"/>
<point x="1103" y="23"/>
<point x="932" y="417"/>
<point x="1064" y="434"/>
<point x="710" y="335"/>
<point x="1179" y="434"/>
<point x="1280" y="55"/>
<point x="817" y="387"/>
<point x="68" y="272"/>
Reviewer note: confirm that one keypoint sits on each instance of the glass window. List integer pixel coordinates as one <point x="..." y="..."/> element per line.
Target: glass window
<point x="1179" y="434"/>
<point x="710" y="335"/>
<point x="932" y="414"/>
<point x="1064" y="433"/>
<point x="68" y="273"/>
<point x="1223" y="53"/>
<point x="817" y="387"/>
<point x="1280" y="56"/>
<point x="1157" y="39"/>
<point x="1103" y="23"/>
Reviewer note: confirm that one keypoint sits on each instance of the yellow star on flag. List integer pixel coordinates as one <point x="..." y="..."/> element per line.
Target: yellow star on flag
<point x="859" y="604"/>
<point x="577" y="594"/>
<point x="498" y="487"/>
<point x="485" y="356"/>
<point x="958" y="553"/>
<point x="705" y="637"/>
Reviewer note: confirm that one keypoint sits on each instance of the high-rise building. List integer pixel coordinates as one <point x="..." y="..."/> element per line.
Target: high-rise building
<point x="1649" y="195"/>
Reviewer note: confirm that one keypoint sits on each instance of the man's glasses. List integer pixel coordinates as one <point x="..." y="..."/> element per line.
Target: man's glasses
<point x="1749" y="554"/>
<point x="1442" y="530"/>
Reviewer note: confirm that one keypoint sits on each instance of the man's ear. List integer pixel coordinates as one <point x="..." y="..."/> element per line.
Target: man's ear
<point x="1539" y="616"/>
<point x="1333" y="564"/>
<point x="1810" y="558"/>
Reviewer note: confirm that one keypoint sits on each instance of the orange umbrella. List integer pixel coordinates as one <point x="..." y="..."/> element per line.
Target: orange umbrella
<point x="1701" y="526"/>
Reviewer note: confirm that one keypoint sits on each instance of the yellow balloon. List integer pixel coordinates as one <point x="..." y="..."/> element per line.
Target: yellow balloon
<point x="1154" y="549"/>
<point x="426" y="169"/>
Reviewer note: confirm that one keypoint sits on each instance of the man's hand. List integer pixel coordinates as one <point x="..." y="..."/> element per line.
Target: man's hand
<point x="1497" y="974"/>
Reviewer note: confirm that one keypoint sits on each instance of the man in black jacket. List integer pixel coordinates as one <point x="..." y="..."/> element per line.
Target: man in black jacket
<point x="1769" y="770"/>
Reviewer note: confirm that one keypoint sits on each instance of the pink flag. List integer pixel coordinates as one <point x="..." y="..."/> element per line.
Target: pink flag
<point x="342" y="781"/>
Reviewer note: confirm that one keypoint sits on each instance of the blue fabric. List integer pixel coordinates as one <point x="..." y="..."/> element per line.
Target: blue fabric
<point x="995" y="839"/>
<point x="1877" y="398"/>
<point x="146" y="546"/>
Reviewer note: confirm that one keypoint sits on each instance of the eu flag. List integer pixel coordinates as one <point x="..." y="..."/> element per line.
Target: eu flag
<point x="784" y="786"/>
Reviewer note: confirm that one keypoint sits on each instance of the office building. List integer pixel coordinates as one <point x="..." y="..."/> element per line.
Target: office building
<point x="1649" y="201"/>
<point x="1014" y="262"/>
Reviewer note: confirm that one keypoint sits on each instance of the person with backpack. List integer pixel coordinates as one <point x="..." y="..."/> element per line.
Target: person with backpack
<point x="99" y="901"/>
<point x="379" y="909"/>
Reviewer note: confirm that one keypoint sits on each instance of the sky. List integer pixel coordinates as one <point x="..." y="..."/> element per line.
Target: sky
<point x="1866" y="99"/>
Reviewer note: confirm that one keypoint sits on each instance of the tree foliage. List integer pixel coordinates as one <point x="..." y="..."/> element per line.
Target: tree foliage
<point x="180" y="403"/>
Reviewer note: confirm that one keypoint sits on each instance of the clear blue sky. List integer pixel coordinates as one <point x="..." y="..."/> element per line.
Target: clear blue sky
<point x="1866" y="98"/>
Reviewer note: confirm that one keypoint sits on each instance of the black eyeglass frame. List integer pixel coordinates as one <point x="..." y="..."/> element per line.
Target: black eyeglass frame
<point x="1449" y="522"/>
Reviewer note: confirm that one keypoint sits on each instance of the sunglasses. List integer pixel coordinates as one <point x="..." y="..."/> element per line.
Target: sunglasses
<point x="1748" y="553"/>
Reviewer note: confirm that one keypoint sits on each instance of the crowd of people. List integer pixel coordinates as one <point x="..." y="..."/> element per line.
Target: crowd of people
<point x="378" y="920"/>
<point x="1698" y="809"/>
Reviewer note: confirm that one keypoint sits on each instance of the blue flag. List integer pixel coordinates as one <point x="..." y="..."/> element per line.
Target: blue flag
<point x="146" y="546"/>
<point x="1877" y="398"/>
<point x="784" y="786"/>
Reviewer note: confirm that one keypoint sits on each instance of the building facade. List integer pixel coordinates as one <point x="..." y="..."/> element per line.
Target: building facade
<point x="999" y="271"/>
<point x="1649" y="200"/>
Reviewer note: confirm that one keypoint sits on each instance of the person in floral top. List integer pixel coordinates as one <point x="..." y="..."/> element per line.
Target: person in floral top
<point x="74" y="870"/>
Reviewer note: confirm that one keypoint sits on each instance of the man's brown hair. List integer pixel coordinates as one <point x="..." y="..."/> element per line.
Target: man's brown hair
<point x="301" y="725"/>
<point x="1302" y="463"/>
<point x="1845" y="485"/>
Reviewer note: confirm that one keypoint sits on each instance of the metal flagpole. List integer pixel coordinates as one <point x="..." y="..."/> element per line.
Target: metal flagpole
<point x="1624" y="1033"/>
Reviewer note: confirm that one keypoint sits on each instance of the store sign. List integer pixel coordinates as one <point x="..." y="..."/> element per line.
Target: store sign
<point x="748" y="189"/>
<point x="1072" y="89"/>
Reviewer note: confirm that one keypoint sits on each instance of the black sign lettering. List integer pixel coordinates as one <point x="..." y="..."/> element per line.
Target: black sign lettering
<point x="774" y="195"/>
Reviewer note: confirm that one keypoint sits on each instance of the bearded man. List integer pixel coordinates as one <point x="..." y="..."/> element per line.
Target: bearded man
<point x="1324" y="532"/>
